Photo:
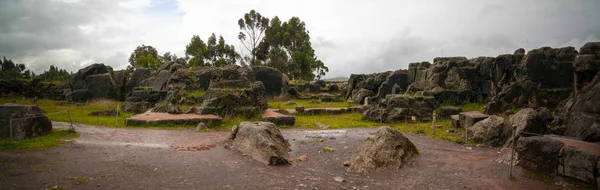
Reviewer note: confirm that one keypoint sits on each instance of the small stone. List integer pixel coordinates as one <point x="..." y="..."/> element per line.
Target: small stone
<point x="339" y="179"/>
<point x="56" y="187"/>
<point x="200" y="127"/>
<point x="469" y="148"/>
<point x="346" y="163"/>
<point x="450" y="131"/>
<point x="303" y="158"/>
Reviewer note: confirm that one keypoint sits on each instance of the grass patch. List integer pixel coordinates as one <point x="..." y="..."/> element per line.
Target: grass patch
<point x="473" y="107"/>
<point x="194" y="93"/>
<point x="55" y="138"/>
<point x="307" y="104"/>
<point x="337" y="121"/>
<point x="79" y="114"/>
<point x="424" y="128"/>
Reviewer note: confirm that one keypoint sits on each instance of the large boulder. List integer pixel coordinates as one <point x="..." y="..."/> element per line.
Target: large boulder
<point x="396" y="107"/>
<point x="551" y="68"/>
<point x="28" y="121"/>
<point x="389" y="148"/>
<point x="359" y="97"/>
<point x="262" y="141"/>
<point x="529" y="120"/>
<point x="538" y="153"/>
<point x="135" y="78"/>
<point x="101" y="86"/>
<point x="274" y="81"/>
<point x="77" y="80"/>
<point x="395" y="83"/>
<point x="580" y="164"/>
<point x="135" y="107"/>
<point x="325" y="97"/>
<point x="245" y="101"/>
<point x="489" y="131"/>
<point x="361" y="86"/>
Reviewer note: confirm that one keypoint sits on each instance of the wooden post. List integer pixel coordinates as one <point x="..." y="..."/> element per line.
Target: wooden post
<point x="70" y="120"/>
<point x="117" y="116"/>
<point x="11" y="133"/>
<point x="575" y="83"/>
<point x="466" y="134"/>
<point x="512" y="151"/>
<point x="434" y="115"/>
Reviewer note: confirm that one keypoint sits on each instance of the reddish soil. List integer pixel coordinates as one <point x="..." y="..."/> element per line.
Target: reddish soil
<point x="115" y="158"/>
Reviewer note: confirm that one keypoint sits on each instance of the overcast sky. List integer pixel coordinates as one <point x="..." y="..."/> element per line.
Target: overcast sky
<point x="350" y="36"/>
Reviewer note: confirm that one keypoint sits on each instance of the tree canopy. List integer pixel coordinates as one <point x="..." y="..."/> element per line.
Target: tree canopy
<point x="145" y="57"/>
<point x="252" y="26"/>
<point x="215" y="53"/>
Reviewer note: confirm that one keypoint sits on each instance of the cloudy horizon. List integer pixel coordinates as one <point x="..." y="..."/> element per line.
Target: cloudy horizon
<point x="348" y="36"/>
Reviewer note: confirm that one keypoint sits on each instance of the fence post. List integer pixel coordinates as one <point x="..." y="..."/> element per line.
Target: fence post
<point x="434" y="115"/>
<point x="117" y="116"/>
<point x="512" y="151"/>
<point x="70" y="120"/>
<point x="11" y="133"/>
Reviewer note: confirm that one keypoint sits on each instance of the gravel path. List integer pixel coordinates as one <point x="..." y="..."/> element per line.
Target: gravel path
<point x="129" y="158"/>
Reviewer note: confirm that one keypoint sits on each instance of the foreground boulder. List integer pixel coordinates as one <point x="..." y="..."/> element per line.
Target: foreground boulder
<point x="539" y="154"/>
<point x="23" y="128"/>
<point x="262" y="141"/>
<point x="489" y="131"/>
<point x="389" y="148"/>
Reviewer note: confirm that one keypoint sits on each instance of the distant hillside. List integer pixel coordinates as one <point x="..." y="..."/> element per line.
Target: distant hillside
<point x="337" y="79"/>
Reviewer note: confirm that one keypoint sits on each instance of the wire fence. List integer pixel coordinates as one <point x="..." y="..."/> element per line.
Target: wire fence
<point x="11" y="120"/>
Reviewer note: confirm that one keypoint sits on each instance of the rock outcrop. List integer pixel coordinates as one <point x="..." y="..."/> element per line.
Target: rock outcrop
<point x="275" y="82"/>
<point x="29" y="121"/>
<point x="397" y="107"/>
<point x="361" y="86"/>
<point x="93" y="82"/>
<point x="389" y="148"/>
<point x="262" y="141"/>
<point x="539" y="154"/>
<point x="490" y="131"/>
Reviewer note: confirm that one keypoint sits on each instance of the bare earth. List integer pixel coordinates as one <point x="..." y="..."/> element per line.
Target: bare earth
<point x="115" y="158"/>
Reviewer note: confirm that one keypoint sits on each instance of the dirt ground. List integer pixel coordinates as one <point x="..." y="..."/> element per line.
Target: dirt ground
<point x="116" y="158"/>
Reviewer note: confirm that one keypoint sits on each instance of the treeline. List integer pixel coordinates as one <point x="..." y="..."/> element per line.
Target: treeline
<point x="10" y="70"/>
<point x="284" y="45"/>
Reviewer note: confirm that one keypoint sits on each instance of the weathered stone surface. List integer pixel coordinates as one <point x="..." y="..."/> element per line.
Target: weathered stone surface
<point x="455" y="121"/>
<point x="101" y="86"/>
<point x="580" y="164"/>
<point x="396" y="107"/>
<point x="488" y="131"/>
<point x="135" y="107"/>
<point x="278" y="118"/>
<point x="135" y="78"/>
<point x="395" y="83"/>
<point x="359" y="97"/>
<point x="467" y="119"/>
<point x="417" y="71"/>
<point x="262" y="141"/>
<point x="166" y="107"/>
<point x="592" y="48"/>
<point x="361" y="86"/>
<point x="77" y="80"/>
<point x="389" y="148"/>
<point x="248" y="102"/>
<point x="158" y="81"/>
<point x="325" y="97"/>
<point x="272" y="79"/>
<point x="538" y="154"/>
<point x="23" y="128"/>
<point x="447" y="111"/>
<point x="529" y="120"/>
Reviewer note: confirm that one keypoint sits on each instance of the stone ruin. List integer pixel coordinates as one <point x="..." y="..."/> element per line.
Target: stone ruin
<point x="29" y="121"/>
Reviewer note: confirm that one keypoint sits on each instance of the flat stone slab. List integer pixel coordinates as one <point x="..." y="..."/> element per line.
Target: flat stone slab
<point x="271" y="115"/>
<point x="179" y="119"/>
<point x="324" y="111"/>
<point x="467" y="119"/>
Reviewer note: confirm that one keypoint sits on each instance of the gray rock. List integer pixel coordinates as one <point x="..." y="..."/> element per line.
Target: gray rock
<point x="325" y="97"/>
<point x="359" y="97"/>
<point x="538" y="154"/>
<point x="135" y="107"/>
<point x="272" y="79"/>
<point x="455" y="121"/>
<point x="32" y="126"/>
<point x="389" y="148"/>
<point x="529" y="121"/>
<point x="166" y="107"/>
<point x="200" y="127"/>
<point x="262" y="141"/>
<point x="467" y="119"/>
<point x="101" y="86"/>
<point x="580" y="165"/>
<point x="300" y="109"/>
<point x="488" y="131"/>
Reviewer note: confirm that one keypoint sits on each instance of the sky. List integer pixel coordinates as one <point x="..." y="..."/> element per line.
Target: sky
<point x="349" y="36"/>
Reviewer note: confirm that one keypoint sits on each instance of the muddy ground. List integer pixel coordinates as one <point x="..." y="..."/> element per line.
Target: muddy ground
<point x="115" y="158"/>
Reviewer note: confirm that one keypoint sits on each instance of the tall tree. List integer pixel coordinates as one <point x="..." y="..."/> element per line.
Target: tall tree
<point x="287" y="47"/>
<point x="252" y="26"/>
<point x="145" y="57"/>
<point x="168" y="57"/>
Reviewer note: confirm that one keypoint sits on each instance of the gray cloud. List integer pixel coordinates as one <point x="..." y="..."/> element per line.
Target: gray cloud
<point x="349" y="36"/>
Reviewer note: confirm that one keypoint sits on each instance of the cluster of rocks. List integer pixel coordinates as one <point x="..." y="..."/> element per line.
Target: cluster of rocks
<point x="376" y="86"/>
<point x="398" y="107"/>
<point x="99" y="81"/>
<point x="315" y="87"/>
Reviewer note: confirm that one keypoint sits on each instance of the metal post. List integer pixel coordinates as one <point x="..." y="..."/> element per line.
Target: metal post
<point x="70" y="120"/>
<point x="11" y="135"/>
<point x="512" y="150"/>
<point x="117" y="116"/>
<point x="434" y="115"/>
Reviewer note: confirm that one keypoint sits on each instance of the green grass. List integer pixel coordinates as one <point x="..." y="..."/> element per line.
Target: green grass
<point x="473" y="107"/>
<point x="337" y="121"/>
<point x="79" y="114"/>
<point x="194" y="93"/>
<point x="55" y="138"/>
<point x="307" y="104"/>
